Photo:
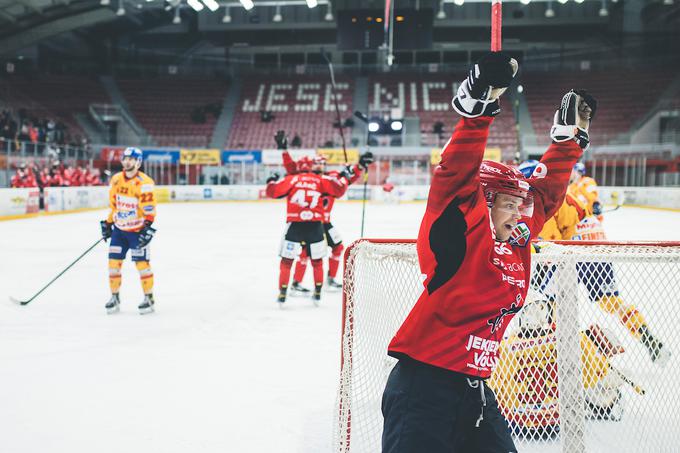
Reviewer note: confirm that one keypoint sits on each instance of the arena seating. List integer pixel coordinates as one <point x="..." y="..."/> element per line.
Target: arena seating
<point x="301" y="106"/>
<point x="429" y="98"/>
<point x="623" y="98"/>
<point x="164" y="107"/>
<point x="56" y="97"/>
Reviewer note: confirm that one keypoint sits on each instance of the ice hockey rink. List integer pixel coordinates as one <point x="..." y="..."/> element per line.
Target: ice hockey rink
<point x="219" y="367"/>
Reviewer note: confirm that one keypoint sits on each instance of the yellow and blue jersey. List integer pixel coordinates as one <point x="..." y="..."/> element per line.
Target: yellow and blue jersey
<point x="132" y="201"/>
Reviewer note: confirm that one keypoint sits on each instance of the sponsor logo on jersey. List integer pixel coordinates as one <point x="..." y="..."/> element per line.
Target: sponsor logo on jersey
<point x="520" y="235"/>
<point x="497" y="321"/>
<point x="148" y="209"/>
<point x="485" y="352"/>
<point x="306" y="215"/>
<point x="115" y="249"/>
<point x="512" y="267"/>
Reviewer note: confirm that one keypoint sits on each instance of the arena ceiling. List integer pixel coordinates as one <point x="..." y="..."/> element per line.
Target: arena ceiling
<point x="26" y="22"/>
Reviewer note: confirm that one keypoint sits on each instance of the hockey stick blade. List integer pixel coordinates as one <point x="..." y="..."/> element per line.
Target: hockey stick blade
<point x="18" y="302"/>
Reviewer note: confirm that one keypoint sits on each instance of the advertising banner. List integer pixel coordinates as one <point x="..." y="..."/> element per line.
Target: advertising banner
<point x="199" y="156"/>
<point x="237" y="156"/>
<point x="336" y="156"/>
<point x="273" y="156"/>
<point x="165" y="156"/>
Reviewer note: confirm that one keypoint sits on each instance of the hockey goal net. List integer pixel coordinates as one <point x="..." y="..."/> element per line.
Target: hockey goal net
<point x="585" y="368"/>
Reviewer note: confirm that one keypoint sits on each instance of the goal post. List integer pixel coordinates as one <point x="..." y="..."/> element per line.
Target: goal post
<point x="575" y="376"/>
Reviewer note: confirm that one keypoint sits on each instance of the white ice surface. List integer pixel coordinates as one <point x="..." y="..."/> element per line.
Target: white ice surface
<point x="218" y="368"/>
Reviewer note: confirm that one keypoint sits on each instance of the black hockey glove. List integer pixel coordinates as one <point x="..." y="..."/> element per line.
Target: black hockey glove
<point x="597" y="208"/>
<point x="366" y="159"/>
<point x="146" y="234"/>
<point x="572" y="119"/>
<point x="107" y="229"/>
<point x="478" y="94"/>
<point x="273" y="177"/>
<point x="347" y="173"/>
<point x="281" y="140"/>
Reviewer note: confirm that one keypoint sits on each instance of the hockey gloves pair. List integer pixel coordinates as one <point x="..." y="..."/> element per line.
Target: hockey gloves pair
<point x="478" y="94"/>
<point x="573" y="118"/>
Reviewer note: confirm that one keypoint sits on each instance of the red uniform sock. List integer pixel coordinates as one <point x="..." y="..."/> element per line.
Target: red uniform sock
<point x="334" y="260"/>
<point x="301" y="266"/>
<point x="284" y="275"/>
<point x="317" y="266"/>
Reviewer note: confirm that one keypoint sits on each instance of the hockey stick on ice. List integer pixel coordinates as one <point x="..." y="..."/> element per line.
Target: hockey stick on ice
<point x="364" y="118"/>
<point x="335" y="101"/>
<point x="26" y="302"/>
<point x="637" y="387"/>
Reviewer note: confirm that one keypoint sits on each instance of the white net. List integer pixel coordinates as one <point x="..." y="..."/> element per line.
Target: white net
<point x="589" y="364"/>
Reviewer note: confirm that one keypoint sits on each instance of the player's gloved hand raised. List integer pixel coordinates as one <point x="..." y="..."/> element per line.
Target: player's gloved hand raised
<point x="146" y="234"/>
<point x="347" y="173"/>
<point x="366" y="159"/>
<point x="488" y="78"/>
<point x="107" y="229"/>
<point x="281" y="140"/>
<point x="273" y="177"/>
<point x="573" y="118"/>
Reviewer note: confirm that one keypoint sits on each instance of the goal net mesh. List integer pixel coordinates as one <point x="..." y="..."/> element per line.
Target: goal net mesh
<point x="584" y="367"/>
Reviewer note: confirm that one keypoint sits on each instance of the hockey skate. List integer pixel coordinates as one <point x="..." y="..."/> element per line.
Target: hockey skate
<point x="656" y="349"/>
<point x="297" y="289"/>
<point x="147" y="305"/>
<point x="332" y="284"/>
<point x="282" y="295"/>
<point x="316" y="297"/>
<point x="113" y="305"/>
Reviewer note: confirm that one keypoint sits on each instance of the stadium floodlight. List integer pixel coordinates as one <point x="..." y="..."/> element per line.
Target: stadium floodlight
<point x="549" y="12"/>
<point x="520" y="89"/>
<point x="329" y="13"/>
<point x="196" y="5"/>
<point x="312" y="3"/>
<point x="247" y="4"/>
<point x="211" y="4"/>
<point x="227" y="15"/>
<point x="579" y="1"/>
<point x="441" y="14"/>
<point x="177" y="19"/>
<point x="459" y="2"/>
<point x="562" y="1"/>
<point x="120" y="11"/>
<point x="373" y="126"/>
<point x="277" y="15"/>
<point x="525" y="2"/>
<point x="396" y="125"/>
<point x="667" y="2"/>
<point x="105" y="2"/>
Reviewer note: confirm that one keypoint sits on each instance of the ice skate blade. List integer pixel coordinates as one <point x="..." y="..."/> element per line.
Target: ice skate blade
<point x="113" y="311"/>
<point x="146" y="311"/>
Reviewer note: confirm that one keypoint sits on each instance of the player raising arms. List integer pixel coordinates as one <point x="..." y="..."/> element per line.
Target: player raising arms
<point x="133" y="210"/>
<point x="304" y="191"/>
<point x="473" y="247"/>
<point x="331" y="233"/>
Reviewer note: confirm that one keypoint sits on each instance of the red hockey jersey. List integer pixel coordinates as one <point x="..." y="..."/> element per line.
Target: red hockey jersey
<point x="474" y="285"/>
<point x="304" y="192"/>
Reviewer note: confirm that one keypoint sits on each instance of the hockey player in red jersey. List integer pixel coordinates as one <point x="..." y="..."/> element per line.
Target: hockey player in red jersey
<point x="304" y="191"/>
<point x="331" y="233"/>
<point x="473" y="247"/>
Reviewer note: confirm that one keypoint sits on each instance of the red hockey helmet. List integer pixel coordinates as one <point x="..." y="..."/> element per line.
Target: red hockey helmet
<point x="304" y="164"/>
<point x="319" y="164"/>
<point x="496" y="178"/>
